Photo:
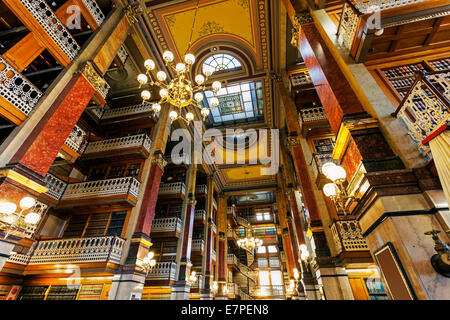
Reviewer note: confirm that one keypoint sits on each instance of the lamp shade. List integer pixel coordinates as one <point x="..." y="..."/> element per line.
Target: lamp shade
<point x="32" y="218"/>
<point x="173" y="115"/>
<point x="27" y="202"/>
<point x="156" y="107"/>
<point x="189" y="116"/>
<point x="214" y="101"/>
<point x="7" y="207"/>
<point x="180" y="67"/>
<point x="189" y="58"/>
<point x="329" y="189"/>
<point x="163" y="93"/>
<point x="216" y="85"/>
<point x="327" y="167"/>
<point x="149" y="64"/>
<point x="199" y="79"/>
<point x="161" y="76"/>
<point x="168" y="56"/>
<point x="205" y="112"/>
<point x="145" y="95"/>
<point x="142" y="79"/>
<point x="337" y="173"/>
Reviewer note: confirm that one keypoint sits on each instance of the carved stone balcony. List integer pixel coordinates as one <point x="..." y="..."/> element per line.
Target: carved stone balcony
<point x="19" y="94"/>
<point x="198" y="245"/>
<point x="56" y="187"/>
<point x="124" y="190"/>
<point x="232" y="259"/>
<point x="106" y="249"/>
<point x="128" y="111"/>
<point x="426" y="107"/>
<point x="75" y="144"/>
<point x="45" y="16"/>
<point x="129" y="146"/>
<point x="174" y="189"/>
<point x="267" y="291"/>
<point x="162" y="271"/>
<point x="95" y="11"/>
<point x="349" y="242"/>
<point x="166" y="227"/>
<point x="200" y="216"/>
<point x="312" y="118"/>
<point x="201" y="189"/>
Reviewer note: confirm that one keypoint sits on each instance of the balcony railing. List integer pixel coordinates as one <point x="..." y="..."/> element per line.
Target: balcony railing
<point x="198" y="245"/>
<point x="231" y="234"/>
<point x="56" y="186"/>
<point x="347" y="236"/>
<point x="126" y="111"/>
<point x="201" y="189"/>
<point x="107" y="187"/>
<point x="166" y="225"/>
<point x="117" y="144"/>
<point x="45" y="16"/>
<point x="95" y="11"/>
<point x="200" y="215"/>
<point x="163" y="271"/>
<point x="16" y="89"/>
<point x="77" y="139"/>
<point x="321" y="158"/>
<point x="232" y="259"/>
<point x="267" y="291"/>
<point x="74" y="250"/>
<point x="232" y="288"/>
<point x="122" y="54"/>
<point x="313" y="114"/>
<point x="353" y="10"/>
<point x="426" y="106"/>
<point x="172" y="188"/>
<point x="199" y="283"/>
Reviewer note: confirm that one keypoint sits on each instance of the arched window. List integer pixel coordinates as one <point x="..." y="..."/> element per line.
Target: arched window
<point x="222" y="62"/>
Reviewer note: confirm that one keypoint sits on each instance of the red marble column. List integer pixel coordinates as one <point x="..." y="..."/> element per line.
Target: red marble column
<point x="147" y="211"/>
<point x="297" y="220"/>
<point x="42" y="146"/>
<point x="294" y="243"/>
<point x="222" y="260"/>
<point x="187" y="242"/>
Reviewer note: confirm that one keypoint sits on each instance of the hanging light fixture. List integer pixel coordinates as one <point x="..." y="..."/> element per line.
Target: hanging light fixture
<point x="336" y="190"/>
<point x="182" y="91"/>
<point x="12" y="220"/>
<point x="148" y="262"/>
<point x="192" y="279"/>
<point x="250" y="241"/>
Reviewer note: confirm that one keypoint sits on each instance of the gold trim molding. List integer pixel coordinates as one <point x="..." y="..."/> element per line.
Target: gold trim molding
<point x="15" y="176"/>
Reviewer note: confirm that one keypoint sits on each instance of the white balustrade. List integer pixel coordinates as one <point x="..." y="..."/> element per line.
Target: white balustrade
<point x="122" y="54"/>
<point x="127" y="111"/>
<point x="172" y="188"/>
<point x="426" y="106"/>
<point x="56" y="186"/>
<point x="107" y="187"/>
<point x="162" y="271"/>
<point x="198" y="245"/>
<point x="347" y="236"/>
<point x="232" y="259"/>
<point x="300" y="79"/>
<point x="118" y="143"/>
<point x="73" y="250"/>
<point x="16" y="89"/>
<point x="95" y="11"/>
<point x="76" y="139"/>
<point x="201" y="189"/>
<point x="313" y="114"/>
<point x="370" y="6"/>
<point x="103" y="90"/>
<point x="200" y="214"/>
<point x="44" y="15"/>
<point x="166" y="225"/>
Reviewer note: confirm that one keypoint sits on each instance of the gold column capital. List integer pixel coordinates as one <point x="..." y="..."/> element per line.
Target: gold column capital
<point x="158" y="159"/>
<point x="92" y="76"/>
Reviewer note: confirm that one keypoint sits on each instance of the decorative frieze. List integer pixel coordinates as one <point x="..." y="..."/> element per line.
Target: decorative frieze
<point x="347" y="236"/>
<point x="94" y="78"/>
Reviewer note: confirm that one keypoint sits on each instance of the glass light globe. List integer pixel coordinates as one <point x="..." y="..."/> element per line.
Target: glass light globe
<point x="173" y="115"/>
<point x="27" y="202"/>
<point x="145" y="94"/>
<point x="189" y="116"/>
<point x="152" y="263"/>
<point x="163" y="93"/>
<point x="189" y="58"/>
<point x="180" y="67"/>
<point x="199" y="79"/>
<point x="329" y="189"/>
<point x="214" y="101"/>
<point x="149" y="64"/>
<point x="142" y="79"/>
<point x="327" y="167"/>
<point x="151" y="254"/>
<point x="168" y="56"/>
<point x="156" y="107"/>
<point x="161" y="76"/>
<point x="32" y="218"/>
<point x="208" y="71"/>
<point x="198" y="97"/>
<point x="337" y="173"/>
<point x="216" y="85"/>
<point x="7" y="207"/>
<point x="146" y="260"/>
<point x="303" y="247"/>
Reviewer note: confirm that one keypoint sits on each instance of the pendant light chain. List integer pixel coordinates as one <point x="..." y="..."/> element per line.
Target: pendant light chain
<point x="193" y="25"/>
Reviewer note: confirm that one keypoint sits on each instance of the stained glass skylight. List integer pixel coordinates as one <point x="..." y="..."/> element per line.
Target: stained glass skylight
<point x="242" y="102"/>
<point x="222" y="62"/>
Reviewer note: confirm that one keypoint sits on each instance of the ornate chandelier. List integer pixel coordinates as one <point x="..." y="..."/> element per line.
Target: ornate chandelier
<point x="181" y="92"/>
<point x="249" y="242"/>
<point x="11" y="220"/>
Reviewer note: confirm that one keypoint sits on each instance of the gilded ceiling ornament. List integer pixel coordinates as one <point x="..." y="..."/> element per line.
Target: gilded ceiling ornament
<point x="130" y="13"/>
<point x="293" y="141"/>
<point x="242" y="3"/>
<point x="191" y="202"/>
<point x="302" y="18"/>
<point x="91" y="75"/>
<point x="210" y="27"/>
<point x="159" y="160"/>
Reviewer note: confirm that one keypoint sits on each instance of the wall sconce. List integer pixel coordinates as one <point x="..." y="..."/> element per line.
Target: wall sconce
<point x="336" y="190"/>
<point x="192" y="278"/>
<point x="10" y="219"/>
<point x="148" y="262"/>
<point x="441" y="260"/>
<point x="215" y="287"/>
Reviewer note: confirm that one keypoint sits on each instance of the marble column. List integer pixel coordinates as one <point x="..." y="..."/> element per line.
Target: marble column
<point x="205" y="293"/>
<point x="222" y="248"/>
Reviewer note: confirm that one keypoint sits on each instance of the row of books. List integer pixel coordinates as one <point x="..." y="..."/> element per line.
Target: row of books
<point x="402" y="71"/>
